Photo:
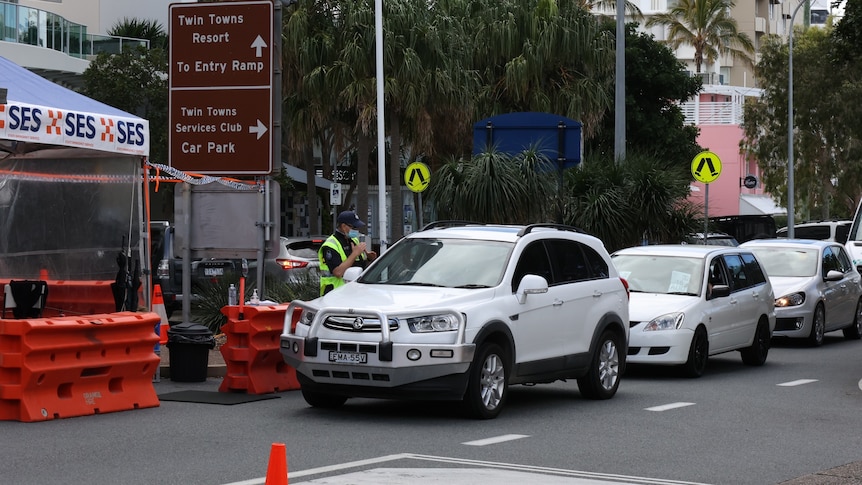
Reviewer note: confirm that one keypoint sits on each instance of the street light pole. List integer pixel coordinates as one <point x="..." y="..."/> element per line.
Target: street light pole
<point x="620" y="89"/>
<point x="790" y="195"/>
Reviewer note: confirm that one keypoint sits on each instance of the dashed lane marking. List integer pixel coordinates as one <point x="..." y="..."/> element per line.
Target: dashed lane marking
<point x="797" y="382"/>
<point x="668" y="407"/>
<point x="495" y="440"/>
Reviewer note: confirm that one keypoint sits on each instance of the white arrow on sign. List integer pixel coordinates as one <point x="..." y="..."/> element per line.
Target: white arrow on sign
<point x="260" y="129"/>
<point x="258" y="45"/>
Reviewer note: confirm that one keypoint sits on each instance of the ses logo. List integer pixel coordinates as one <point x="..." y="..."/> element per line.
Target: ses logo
<point x="84" y="126"/>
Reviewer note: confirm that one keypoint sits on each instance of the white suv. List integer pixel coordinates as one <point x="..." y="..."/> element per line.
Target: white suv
<point x="823" y="230"/>
<point x="470" y="309"/>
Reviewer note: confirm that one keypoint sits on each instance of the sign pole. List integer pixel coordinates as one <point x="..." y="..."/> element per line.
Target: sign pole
<point x="705" y="168"/>
<point x="705" y="212"/>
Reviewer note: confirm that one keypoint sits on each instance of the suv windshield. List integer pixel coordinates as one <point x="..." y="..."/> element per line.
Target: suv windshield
<point x="453" y="263"/>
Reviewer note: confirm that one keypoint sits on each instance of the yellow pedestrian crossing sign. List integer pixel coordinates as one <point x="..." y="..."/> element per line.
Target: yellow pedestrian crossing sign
<point x="417" y="176"/>
<point x="706" y="167"/>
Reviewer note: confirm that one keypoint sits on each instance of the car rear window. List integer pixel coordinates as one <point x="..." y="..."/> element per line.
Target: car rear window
<point x="813" y="232"/>
<point x="305" y="249"/>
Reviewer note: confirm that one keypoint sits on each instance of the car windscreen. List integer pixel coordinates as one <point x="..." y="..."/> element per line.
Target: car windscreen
<point x="661" y="274"/>
<point x="787" y="261"/>
<point x="453" y="263"/>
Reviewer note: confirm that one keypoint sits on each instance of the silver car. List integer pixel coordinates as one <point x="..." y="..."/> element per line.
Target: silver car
<point x="817" y="288"/>
<point x="297" y="259"/>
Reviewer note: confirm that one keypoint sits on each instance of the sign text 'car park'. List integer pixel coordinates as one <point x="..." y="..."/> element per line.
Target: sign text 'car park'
<point x="221" y="87"/>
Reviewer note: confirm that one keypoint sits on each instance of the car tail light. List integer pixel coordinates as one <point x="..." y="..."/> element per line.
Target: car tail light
<point x="164" y="270"/>
<point x="626" y="286"/>
<point x="291" y="263"/>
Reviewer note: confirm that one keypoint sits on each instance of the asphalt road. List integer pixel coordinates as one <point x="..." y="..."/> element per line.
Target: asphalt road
<point x="794" y="420"/>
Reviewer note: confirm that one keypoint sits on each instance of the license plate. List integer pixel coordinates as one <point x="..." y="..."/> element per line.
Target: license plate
<point x="213" y="271"/>
<point x="348" y="357"/>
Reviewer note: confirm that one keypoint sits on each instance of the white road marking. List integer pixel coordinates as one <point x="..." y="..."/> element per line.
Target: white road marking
<point x="797" y="382"/>
<point x="496" y="439"/>
<point x="667" y="407"/>
<point x="413" y="476"/>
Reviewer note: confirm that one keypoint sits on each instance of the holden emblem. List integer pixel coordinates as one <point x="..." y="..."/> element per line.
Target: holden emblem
<point x="357" y="323"/>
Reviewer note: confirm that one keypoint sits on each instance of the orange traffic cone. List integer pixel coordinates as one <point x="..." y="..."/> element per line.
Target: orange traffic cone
<point x="159" y="307"/>
<point x="276" y="471"/>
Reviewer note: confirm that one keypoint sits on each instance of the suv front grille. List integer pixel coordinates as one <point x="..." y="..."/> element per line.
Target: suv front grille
<point x="358" y="324"/>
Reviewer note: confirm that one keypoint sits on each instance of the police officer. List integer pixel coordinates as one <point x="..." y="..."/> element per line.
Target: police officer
<point x="342" y="250"/>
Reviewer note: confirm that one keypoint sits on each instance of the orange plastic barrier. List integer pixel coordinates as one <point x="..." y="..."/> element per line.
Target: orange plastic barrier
<point x="251" y="351"/>
<point x="76" y="297"/>
<point x="62" y="367"/>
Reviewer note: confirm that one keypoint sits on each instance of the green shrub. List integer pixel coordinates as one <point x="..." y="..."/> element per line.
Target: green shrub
<point x="213" y="297"/>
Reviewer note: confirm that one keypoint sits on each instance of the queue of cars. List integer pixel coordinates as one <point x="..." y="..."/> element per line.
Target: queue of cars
<point x="460" y="311"/>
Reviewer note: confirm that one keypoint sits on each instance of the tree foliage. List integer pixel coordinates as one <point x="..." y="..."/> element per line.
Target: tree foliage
<point x="134" y="81"/>
<point x="623" y="204"/>
<point x="826" y="172"/>
<point x="655" y="125"/>
<point x="135" y="28"/>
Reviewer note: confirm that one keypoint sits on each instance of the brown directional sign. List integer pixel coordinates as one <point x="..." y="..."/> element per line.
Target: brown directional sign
<point x="221" y="88"/>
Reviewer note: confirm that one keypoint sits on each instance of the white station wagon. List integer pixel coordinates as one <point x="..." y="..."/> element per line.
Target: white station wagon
<point x="469" y="309"/>
<point x="689" y="302"/>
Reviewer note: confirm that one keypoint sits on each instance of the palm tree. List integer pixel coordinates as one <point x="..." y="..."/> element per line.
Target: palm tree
<point x="309" y="101"/>
<point x="495" y="187"/>
<point x="550" y="58"/>
<point x="134" y="28"/>
<point x="354" y="76"/>
<point x="631" y="8"/>
<point x="622" y="204"/>
<point x="707" y="26"/>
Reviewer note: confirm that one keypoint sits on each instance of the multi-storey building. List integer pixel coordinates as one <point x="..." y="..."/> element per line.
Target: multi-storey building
<point x="717" y="110"/>
<point x="57" y="38"/>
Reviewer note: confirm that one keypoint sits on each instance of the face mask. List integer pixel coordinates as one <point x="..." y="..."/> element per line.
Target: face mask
<point x="353" y="233"/>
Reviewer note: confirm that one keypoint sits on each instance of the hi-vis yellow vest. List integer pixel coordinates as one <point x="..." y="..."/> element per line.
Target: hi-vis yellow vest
<point x="326" y="276"/>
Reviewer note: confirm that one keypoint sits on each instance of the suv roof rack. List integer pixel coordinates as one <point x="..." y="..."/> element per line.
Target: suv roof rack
<point x="450" y="223"/>
<point x="561" y="227"/>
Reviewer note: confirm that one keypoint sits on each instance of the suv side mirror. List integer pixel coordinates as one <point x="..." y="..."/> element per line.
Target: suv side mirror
<point x="531" y="285"/>
<point x="352" y="273"/>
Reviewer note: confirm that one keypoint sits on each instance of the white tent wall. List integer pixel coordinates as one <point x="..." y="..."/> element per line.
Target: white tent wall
<point x="68" y="217"/>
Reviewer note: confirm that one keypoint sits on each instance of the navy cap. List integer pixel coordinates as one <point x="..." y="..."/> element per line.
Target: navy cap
<point x="350" y="218"/>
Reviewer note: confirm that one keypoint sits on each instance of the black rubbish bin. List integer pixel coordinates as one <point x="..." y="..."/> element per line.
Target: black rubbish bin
<point x="189" y="345"/>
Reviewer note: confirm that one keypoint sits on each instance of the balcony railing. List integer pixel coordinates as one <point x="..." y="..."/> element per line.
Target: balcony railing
<point x="712" y="113"/>
<point x="25" y="25"/>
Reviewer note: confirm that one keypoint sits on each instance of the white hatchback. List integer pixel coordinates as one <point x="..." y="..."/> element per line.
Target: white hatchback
<point x="689" y="302"/>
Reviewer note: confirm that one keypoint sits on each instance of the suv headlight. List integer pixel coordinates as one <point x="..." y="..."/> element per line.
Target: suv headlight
<point x="793" y="299"/>
<point x="670" y="321"/>
<point x="433" y="323"/>
<point x="307" y="317"/>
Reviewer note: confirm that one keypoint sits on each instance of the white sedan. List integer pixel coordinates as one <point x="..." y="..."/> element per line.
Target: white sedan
<point x="689" y="302"/>
<point x="818" y="289"/>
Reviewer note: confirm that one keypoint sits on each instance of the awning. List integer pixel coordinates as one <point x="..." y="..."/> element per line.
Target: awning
<point x="750" y="204"/>
<point x="298" y="175"/>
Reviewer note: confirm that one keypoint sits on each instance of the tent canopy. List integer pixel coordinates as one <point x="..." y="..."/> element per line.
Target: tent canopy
<point x="39" y="112"/>
<point x="71" y="192"/>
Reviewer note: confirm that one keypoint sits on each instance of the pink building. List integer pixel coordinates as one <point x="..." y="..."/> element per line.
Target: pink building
<point x="718" y="114"/>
